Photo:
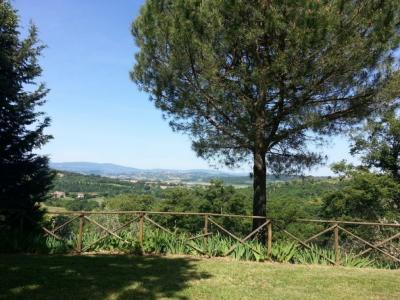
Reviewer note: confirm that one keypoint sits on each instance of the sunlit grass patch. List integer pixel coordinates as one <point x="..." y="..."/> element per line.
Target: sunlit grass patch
<point x="184" y="277"/>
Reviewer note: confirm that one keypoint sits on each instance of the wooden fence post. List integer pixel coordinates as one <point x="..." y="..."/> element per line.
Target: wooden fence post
<point x="269" y="239"/>
<point x="205" y="229"/>
<point x="337" y="250"/>
<point x="80" y="234"/>
<point x="141" y="230"/>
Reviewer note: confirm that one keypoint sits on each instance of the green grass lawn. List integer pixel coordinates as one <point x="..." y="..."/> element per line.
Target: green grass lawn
<point x="129" y="277"/>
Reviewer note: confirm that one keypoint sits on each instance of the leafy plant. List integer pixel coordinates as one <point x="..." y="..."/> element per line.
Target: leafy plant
<point x="283" y="252"/>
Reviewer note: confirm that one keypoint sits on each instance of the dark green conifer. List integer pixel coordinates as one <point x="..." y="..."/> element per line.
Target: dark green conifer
<point x="25" y="177"/>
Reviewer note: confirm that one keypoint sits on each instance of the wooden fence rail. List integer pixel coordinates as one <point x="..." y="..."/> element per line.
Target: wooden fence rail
<point x="335" y="227"/>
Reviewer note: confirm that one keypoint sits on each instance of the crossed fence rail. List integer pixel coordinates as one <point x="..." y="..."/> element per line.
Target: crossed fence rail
<point x="212" y="225"/>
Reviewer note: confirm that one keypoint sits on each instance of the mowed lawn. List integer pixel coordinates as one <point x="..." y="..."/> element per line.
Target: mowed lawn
<point x="130" y="277"/>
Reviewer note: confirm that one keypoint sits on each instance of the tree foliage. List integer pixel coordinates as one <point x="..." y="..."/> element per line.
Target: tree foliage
<point x="378" y="143"/>
<point x="73" y="182"/>
<point x="363" y="195"/>
<point x="81" y="205"/>
<point x="130" y="202"/>
<point x="24" y="176"/>
<point x="370" y="191"/>
<point x="263" y="79"/>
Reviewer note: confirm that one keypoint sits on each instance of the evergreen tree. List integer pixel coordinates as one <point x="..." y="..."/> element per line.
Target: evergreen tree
<point x="25" y="177"/>
<point x="378" y="143"/>
<point x="262" y="79"/>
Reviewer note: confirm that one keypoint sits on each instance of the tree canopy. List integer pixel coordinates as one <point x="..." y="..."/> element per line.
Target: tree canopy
<point x="263" y="79"/>
<point x="364" y="195"/>
<point x="378" y="143"/>
<point x="371" y="190"/>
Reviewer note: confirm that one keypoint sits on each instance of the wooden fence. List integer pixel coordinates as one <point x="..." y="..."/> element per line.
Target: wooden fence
<point x="337" y="230"/>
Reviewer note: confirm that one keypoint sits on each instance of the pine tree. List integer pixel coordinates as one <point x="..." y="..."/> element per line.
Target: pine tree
<point x="262" y="79"/>
<point x="25" y="177"/>
<point x="378" y="143"/>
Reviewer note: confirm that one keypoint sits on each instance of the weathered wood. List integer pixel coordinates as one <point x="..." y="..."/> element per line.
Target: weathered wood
<point x="268" y="235"/>
<point x="195" y="248"/>
<point x="205" y="230"/>
<point x="232" y="235"/>
<point x="80" y="234"/>
<point x="306" y="245"/>
<point x="48" y="232"/>
<point x="369" y="244"/>
<point x="319" y="234"/>
<point x="269" y="239"/>
<point x="63" y="225"/>
<point x="199" y="236"/>
<point x="107" y="235"/>
<point x="397" y="235"/>
<point x="349" y="222"/>
<point x="336" y="244"/>
<point x="104" y="228"/>
<point x="246" y="238"/>
<point x="136" y="212"/>
<point x="168" y="231"/>
<point x="141" y="230"/>
<point x="158" y="225"/>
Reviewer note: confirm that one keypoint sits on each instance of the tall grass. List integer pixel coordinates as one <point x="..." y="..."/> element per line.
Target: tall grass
<point x="161" y="243"/>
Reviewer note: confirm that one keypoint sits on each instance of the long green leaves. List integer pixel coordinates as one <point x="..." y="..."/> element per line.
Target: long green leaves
<point x="159" y="242"/>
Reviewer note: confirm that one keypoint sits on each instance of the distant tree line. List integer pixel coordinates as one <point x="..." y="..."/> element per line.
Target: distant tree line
<point x="73" y="183"/>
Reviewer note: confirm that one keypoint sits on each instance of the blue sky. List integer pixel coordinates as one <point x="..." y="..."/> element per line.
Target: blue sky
<point x="97" y="113"/>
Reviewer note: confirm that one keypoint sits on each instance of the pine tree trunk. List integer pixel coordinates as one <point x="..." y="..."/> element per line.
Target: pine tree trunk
<point x="259" y="188"/>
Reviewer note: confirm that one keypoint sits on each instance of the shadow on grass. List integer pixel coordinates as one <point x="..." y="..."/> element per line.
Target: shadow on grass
<point x="95" y="277"/>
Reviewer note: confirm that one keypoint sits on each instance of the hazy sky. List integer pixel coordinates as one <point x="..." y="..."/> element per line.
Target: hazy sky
<point x="97" y="113"/>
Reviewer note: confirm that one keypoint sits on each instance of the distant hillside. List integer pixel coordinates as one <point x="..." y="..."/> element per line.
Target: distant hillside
<point x="112" y="170"/>
<point x="184" y="176"/>
<point x="93" y="168"/>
